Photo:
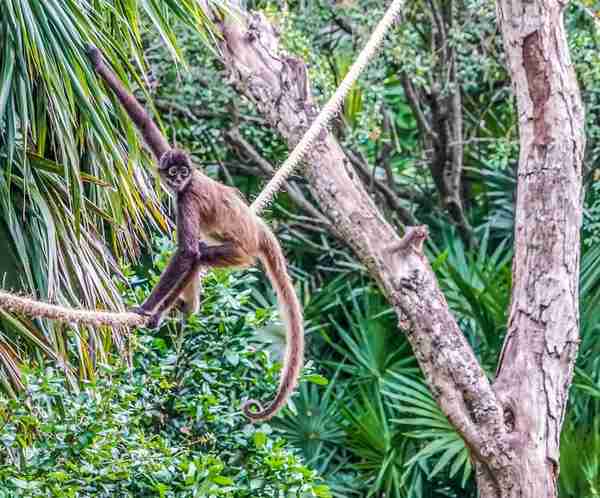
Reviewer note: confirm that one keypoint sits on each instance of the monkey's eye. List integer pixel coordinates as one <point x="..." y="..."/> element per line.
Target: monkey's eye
<point x="172" y="170"/>
<point x="185" y="171"/>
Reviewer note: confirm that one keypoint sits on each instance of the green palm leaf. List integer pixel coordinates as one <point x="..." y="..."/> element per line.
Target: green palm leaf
<point x="76" y="196"/>
<point x="445" y="450"/>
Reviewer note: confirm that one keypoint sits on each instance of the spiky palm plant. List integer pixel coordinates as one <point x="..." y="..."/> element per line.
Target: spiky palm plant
<point x="76" y="198"/>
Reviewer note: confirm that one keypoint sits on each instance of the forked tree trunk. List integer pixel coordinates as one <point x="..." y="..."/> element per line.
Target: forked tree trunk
<point x="513" y="428"/>
<point x="537" y="360"/>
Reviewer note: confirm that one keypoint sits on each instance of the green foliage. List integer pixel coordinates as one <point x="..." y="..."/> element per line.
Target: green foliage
<point x="314" y="424"/>
<point x="374" y="430"/>
<point x="171" y="426"/>
<point x="368" y="341"/>
<point x="580" y="461"/>
<point x="75" y="198"/>
<point x="412" y="398"/>
<point x="477" y="287"/>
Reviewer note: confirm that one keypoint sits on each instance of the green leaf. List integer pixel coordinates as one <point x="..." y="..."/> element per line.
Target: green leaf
<point x="260" y="439"/>
<point x="222" y="480"/>
<point x="316" y="379"/>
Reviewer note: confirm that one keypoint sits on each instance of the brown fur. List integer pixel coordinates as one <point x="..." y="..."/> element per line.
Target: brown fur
<point x="174" y="157"/>
<point x="138" y="115"/>
<point x="212" y="212"/>
<point x="233" y="222"/>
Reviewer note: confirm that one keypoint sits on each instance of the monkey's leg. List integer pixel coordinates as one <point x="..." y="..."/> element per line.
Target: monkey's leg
<point x="186" y="287"/>
<point x="223" y="256"/>
<point x="190" y="296"/>
<point x="214" y="256"/>
<point x="180" y="272"/>
<point x="188" y="301"/>
<point x="173" y="283"/>
<point x="175" y="276"/>
<point x="192" y="280"/>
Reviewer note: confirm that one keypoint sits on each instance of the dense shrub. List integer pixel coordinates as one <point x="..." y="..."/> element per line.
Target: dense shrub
<point x="170" y="426"/>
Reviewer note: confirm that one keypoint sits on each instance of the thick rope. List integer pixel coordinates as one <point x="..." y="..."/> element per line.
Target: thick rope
<point x="40" y="309"/>
<point x="330" y="110"/>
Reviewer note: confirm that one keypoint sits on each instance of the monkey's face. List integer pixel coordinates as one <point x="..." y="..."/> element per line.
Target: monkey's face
<point x="175" y="170"/>
<point x="176" y="177"/>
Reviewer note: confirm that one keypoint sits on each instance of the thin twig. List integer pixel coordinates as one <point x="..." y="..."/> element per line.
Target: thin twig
<point x="391" y="197"/>
<point x="294" y="192"/>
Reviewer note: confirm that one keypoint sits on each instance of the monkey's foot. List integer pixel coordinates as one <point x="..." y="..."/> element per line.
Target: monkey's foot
<point x="154" y="319"/>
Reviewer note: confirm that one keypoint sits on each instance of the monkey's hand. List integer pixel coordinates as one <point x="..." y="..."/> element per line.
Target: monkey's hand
<point x="94" y="54"/>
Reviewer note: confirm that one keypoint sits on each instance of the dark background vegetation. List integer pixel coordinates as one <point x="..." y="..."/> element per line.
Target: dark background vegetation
<point x="114" y="413"/>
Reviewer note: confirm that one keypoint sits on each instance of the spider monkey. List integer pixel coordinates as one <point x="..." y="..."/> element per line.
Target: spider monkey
<point x="210" y="211"/>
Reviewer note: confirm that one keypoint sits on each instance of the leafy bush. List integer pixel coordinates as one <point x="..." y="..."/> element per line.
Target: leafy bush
<point x="374" y="430"/>
<point x="169" y="426"/>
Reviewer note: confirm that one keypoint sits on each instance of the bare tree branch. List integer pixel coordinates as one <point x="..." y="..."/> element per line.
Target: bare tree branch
<point x="387" y="149"/>
<point x="263" y="73"/>
<point x="197" y="114"/>
<point x="236" y="138"/>
<point x="454" y="171"/>
<point x="416" y="107"/>
<point x="442" y="127"/>
<point x="391" y="197"/>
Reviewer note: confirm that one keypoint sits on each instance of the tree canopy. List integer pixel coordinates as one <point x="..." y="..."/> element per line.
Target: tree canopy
<point x="430" y="133"/>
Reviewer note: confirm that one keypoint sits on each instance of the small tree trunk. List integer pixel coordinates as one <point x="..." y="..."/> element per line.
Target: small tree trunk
<point x="513" y="429"/>
<point x="537" y="360"/>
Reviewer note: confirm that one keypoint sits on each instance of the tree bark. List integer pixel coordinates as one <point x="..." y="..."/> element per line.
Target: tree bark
<point x="513" y="429"/>
<point x="538" y="356"/>
<point x="278" y="85"/>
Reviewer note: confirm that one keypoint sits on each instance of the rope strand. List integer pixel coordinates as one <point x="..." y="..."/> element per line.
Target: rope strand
<point x="330" y="110"/>
<point x="39" y="309"/>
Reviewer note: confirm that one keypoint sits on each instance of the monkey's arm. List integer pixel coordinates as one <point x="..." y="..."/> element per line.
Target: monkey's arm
<point x="152" y="135"/>
<point x="182" y="264"/>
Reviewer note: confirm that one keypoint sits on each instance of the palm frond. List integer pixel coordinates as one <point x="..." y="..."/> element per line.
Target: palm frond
<point x="444" y="445"/>
<point x="76" y="196"/>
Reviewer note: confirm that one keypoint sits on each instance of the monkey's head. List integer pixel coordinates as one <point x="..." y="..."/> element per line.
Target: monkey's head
<point x="175" y="170"/>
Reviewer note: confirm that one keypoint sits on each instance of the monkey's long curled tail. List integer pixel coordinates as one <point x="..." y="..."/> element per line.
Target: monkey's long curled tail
<point x="274" y="262"/>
